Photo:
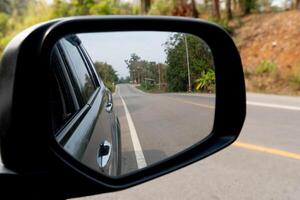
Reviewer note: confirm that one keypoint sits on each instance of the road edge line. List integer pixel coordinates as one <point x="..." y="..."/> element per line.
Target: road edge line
<point x="139" y="155"/>
<point x="270" y="105"/>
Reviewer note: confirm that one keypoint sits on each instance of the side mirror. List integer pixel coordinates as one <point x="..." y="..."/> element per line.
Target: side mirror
<point x="52" y="100"/>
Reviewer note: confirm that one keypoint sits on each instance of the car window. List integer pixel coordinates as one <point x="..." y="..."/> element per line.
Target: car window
<point x="61" y="101"/>
<point x="89" y="60"/>
<point x="79" y="69"/>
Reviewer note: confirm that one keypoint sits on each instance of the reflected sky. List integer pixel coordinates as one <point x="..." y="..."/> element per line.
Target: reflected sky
<point x="115" y="47"/>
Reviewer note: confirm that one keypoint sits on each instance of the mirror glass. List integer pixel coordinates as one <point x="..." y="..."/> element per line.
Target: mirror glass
<point x="123" y="101"/>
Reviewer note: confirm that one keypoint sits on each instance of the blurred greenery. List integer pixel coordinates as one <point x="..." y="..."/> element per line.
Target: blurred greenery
<point x="107" y="74"/>
<point x="206" y="81"/>
<point x="266" y="67"/>
<point x="200" y="61"/>
<point x="17" y="15"/>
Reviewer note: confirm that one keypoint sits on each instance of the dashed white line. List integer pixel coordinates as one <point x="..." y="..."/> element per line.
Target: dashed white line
<point x="270" y="105"/>
<point x="140" y="158"/>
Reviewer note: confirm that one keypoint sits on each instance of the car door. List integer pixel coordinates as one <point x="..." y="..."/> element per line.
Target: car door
<point x="90" y="135"/>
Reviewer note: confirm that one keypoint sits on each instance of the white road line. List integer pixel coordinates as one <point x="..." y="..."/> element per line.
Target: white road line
<point x="270" y="105"/>
<point x="140" y="158"/>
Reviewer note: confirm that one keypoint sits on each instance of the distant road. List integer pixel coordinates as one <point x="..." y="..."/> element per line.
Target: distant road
<point x="264" y="164"/>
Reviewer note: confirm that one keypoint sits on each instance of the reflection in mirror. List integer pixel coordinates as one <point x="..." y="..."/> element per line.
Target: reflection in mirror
<point x="122" y="101"/>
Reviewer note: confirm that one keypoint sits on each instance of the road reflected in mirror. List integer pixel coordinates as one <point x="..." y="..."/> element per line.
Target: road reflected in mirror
<point x="123" y="101"/>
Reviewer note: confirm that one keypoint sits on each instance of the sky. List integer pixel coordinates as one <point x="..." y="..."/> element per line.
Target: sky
<point x="116" y="47"/>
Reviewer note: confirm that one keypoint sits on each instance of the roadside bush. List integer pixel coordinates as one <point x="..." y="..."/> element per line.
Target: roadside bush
<point x="295" y="78"/>
<point x="206" y="82"/>
<point x="266" y="67"/>
<point x="110" y="86"/>
<point x="147" y="86"/>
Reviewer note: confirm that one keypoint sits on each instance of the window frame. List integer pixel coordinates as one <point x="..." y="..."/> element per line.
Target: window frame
<point x="65" y="88"/>
<point x="75" y="82"/>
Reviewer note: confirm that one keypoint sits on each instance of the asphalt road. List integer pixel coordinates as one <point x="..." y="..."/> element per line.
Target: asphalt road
<point x="164" y="124"/>
<point x="263" y="164"/>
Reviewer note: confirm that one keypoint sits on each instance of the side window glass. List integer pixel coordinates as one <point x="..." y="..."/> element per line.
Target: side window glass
<point x="79" y="69"/>
<point x="60" y="99"/>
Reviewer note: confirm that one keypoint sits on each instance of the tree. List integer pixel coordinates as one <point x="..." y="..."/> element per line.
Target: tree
<point x="3" y="23"/>
<point x="60" y="8"/>
<point x="133" y="66"/>
<point x="19" y="7"/>
<point x="195" y="12"/>
<point x="247" y="6"/>
<point x="297" y="4"/>
<point x="81" y="7"/>
<point x="145" y="6"/>
<point x="228" y="10"/>
<point x="200" y="60"/>
<point x="140" y="69"/>
<point x="216" y="9"/>
<point x="107" y="74"/>
<point x="5" y="6"/>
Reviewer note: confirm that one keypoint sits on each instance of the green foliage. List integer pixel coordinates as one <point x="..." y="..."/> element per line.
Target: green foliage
<point x="3" y="42"/>
<point x="60" y="8"/>
<point x="16" y="15"/>
<point x="3" y="22"/>
<point x="200" y="60"/>
<point x="295" y="79"/>
<point x="81" y="7"/>
<point x="140" y="70"/>
<point x="23" y="14"/>
<point x="266" y="67"/>
<point x="107" y="74"/>
<point x="104" y="7"/>
<point x="147" y="85"/>
<point x="162" y="7"/>
<point x="206" y="82"/>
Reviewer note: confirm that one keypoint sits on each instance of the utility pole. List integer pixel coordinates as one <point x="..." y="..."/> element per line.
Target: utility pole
<point x="187" y="62"/>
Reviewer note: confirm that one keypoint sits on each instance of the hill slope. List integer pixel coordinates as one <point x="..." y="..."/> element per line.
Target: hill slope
<point x="270" y="49"/>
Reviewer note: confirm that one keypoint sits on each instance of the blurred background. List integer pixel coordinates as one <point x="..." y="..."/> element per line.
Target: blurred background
<point x="265" y="31"/>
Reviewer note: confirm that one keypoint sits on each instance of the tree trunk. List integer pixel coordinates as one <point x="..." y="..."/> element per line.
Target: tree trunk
<point x="228" y="10"/>
<point x="297" y="4"/>
<point x="234" y="5"/>
<point x="194" y="9"/>
<point x="216" y="9"/>
<point x="145" y="6"/>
